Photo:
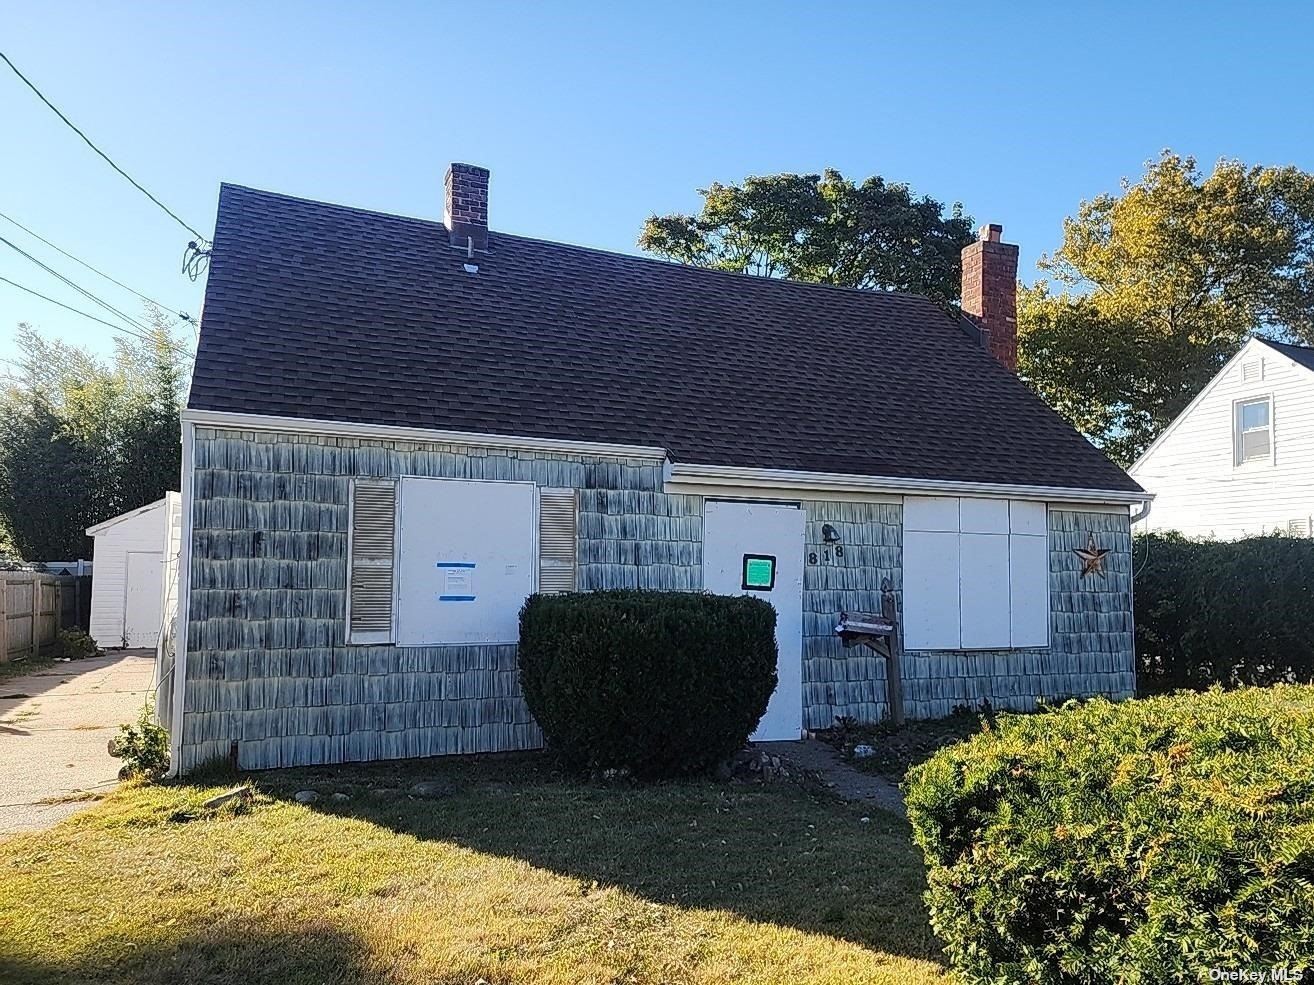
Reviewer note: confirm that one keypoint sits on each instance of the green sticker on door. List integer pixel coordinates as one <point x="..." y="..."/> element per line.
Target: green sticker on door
<point x="759" y="572"/>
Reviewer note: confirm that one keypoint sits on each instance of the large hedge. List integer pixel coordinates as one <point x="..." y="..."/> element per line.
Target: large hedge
<point x="657" y="683"/>
<point x="1226" y="612"/>
<point x="1147" y="841"/>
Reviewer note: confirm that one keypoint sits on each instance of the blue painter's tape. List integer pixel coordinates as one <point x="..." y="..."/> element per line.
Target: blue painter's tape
<point x="456" y="598"/>
<point x="454" y="564"/>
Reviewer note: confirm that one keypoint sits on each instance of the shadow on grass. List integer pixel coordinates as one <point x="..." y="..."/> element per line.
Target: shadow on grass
<point x="227" y="952"/>
<point x="773" y="853"/>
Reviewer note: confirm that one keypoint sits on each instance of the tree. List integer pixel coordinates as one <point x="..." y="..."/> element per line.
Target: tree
<point x="822" y="228"/>
<point x="1155" y="288"/>
<point x="82" y="440"/>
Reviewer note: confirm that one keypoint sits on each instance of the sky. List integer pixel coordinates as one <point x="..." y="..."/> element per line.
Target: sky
<point x="591" y="116"/>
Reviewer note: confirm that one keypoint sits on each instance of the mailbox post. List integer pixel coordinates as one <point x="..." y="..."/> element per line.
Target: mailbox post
<point x="879" y="633"/>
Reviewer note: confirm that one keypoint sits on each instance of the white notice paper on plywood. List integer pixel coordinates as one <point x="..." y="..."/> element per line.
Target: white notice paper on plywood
<point x="466" y="560"/>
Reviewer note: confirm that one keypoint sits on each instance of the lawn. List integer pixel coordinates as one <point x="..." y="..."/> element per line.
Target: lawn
<point x="512" y="874"/>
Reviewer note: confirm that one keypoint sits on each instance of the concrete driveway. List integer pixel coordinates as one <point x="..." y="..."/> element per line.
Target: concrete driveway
<point x="54" y="726"/>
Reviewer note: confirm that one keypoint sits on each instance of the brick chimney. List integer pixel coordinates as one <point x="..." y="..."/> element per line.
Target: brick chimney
<point x="990" y="292"/>
<point x="466" y="213"/>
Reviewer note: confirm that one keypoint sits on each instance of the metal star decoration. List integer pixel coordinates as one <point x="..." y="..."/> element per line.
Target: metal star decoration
<point x="1092" y="558"/>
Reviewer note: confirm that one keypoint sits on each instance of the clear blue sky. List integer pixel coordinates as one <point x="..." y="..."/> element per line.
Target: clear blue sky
<point x="592" y="116"/>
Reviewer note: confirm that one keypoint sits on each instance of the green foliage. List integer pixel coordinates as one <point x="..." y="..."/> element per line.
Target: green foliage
<point x="656" y="683"/>
<point x="1226" y="612"/>
<point x="822" y="228"/>
<point x="143" y="746"/>
<point x="1141" y="842"/>
<point x="1157" y="287"/>
<point x="81" y="441"/>
<point x="74" y="644"/>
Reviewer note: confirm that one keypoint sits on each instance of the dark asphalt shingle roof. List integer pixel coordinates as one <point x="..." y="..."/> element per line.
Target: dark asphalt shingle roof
<point x="325" y="312"/>
<point x="1302" y="354"/>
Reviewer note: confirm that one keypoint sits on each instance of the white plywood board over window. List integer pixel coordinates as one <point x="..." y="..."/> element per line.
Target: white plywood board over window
<point x="976" y="573"/>
<point x="930" y="589"/>
<point x="467" y="552"/>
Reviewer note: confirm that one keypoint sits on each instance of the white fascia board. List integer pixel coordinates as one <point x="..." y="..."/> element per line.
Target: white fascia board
<point x="387" y="432"/>
<point x="104" y="525"/>
<point x="179" y="682"/>
<point x="747" y="478"/>
<point x="1204" y="392"/>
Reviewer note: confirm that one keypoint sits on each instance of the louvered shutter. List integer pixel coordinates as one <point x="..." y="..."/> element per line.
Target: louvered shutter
<point x="556" y="540"/>
<point x="373" y="530"/>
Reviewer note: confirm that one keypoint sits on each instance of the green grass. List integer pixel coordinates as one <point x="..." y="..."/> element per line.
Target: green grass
<point x="517" y="875"/>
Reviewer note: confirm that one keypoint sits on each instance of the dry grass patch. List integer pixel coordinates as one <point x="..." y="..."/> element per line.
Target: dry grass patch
<point x="515" y="875"/>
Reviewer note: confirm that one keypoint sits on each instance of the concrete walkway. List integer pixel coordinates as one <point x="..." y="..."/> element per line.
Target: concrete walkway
<point x="55" y="724"/>
<point x="837" y="775"/>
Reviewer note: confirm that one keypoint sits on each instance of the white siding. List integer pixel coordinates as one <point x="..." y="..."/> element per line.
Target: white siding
<point x="1200" y="490"/>
<point x="142" y="530"/>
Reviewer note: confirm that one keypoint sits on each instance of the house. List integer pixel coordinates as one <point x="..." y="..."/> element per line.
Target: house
<point x="399" y="428"/>
<point x="130" y="593"/>
<point x="1239" y="460"/>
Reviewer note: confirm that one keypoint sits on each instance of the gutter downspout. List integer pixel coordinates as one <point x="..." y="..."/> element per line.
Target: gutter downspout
<point x="1144" y="512"/>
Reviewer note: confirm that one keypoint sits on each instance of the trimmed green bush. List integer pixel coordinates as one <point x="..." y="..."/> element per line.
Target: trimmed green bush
<point x="1225" y="612"/>
<point x="1146" y="841"/>
<point x="656" y="683"/>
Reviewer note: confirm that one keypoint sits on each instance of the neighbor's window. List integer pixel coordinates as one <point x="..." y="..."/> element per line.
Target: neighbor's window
<point x="1253" y="430"/>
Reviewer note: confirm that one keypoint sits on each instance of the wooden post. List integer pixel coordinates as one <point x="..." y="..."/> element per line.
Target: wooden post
<point x="36" y="614"/>
<point x="893" y="670"/>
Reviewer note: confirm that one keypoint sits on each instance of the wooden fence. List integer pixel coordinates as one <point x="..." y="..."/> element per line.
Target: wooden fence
<point x="34" y="607"/>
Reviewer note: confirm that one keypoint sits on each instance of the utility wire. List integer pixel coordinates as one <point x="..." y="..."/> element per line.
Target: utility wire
<point x="77" y="311"/>
<point x="181" y="314"/>
<point x="142" y="335"/>
<point x="81" y="290"/>
<point x="66" y="307"/>
<point x="87" y="140"/>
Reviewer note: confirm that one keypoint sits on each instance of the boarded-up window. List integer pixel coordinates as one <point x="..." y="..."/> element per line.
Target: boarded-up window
<point x="556" y="540"/>
<point x="975" y="574"/>
<point x="373" y="531"/>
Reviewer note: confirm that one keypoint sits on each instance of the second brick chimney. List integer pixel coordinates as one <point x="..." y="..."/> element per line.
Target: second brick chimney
<point x="466" y="212"/>
<point x="990" y="292"/>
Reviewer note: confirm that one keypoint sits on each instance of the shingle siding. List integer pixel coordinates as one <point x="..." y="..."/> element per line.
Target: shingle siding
<point x="268" y="667"/>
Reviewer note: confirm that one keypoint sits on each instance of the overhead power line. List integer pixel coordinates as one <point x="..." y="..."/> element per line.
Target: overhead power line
<point x="181" y="314"/>
<point x="78" y="311"/>
<point x="67" y="282"/>
<point x="87" y="140"/>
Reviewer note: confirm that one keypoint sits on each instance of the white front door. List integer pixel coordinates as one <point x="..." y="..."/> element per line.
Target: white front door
<point x="757" y="549"/>
<point x="142" y="598"/>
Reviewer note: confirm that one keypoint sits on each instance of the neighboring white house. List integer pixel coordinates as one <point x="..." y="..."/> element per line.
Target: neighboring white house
<point x="129" y="590"/>
<point x="1239" y="461"/>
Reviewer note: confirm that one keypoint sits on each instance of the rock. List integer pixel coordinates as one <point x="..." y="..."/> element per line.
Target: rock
<point x="340" y="797"/>
<point x="237" y="793"/>
<point x="863" y="752"/>
<point x="114" y="747"/>
<point x="430" y="789"/>
<point x="382" y="792"/>
<point x="305" y="796"/>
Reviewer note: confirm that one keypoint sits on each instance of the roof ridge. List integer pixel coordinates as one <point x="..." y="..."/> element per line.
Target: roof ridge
<point x="634" y="257"/>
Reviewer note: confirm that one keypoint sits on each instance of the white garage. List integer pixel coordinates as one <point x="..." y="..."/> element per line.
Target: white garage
<point x="129" y="586"/>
